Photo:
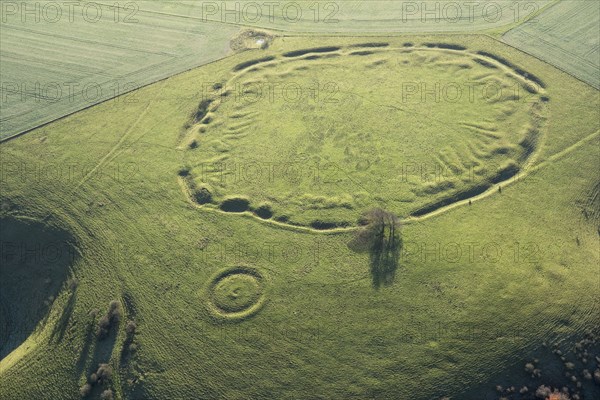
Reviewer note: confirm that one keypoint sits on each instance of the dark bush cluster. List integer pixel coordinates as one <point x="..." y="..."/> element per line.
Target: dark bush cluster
<point x="111" y="318"/>
<point x="203" y="196"/>
<point x="579" y="362"/>
<point x="104" y="373"/>
<point x="130" y="328"/>
<point x="532" y="370"/>
<point x="264" y="211"/>
<point x="101" y="377"/>
<point x="235" y="204"/>
<point x="509" y="390"/>
<point x="184" y="171"/>
<point x="129" y="346"/>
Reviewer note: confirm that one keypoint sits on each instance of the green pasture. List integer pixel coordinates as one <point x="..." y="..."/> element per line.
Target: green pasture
<point x="320" y="135"/>
<point x="228" y="305"/>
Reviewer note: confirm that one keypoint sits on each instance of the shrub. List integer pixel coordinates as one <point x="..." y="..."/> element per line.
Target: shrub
<point x="184" y="171"/>
<point x="283" y="218"/>
<point x="543" y="392"/>
<point x="104" y="372"/>
<point x="202" y="109"/>
<point x="102" y="376"/>
<point x="569" y="365"/>
<point x="72" y="284"/>
<point x="107" y="395"/>
<point x="113" y="316"/>
<point x="103" y="327"/>
<point x="323" y="225"/>
<point x="264" y="211"/>
<point x="203" y="196"/>
<point x="529" y="367"/>
<point x="130" y="328"/>
<point x="85" y="390"/>
<point x="235" y="204"/>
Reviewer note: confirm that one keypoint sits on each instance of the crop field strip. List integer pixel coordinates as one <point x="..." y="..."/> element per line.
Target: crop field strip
<point x="565" y="34"/>
<point x="358" y="16"/>
<point x="26" y="106"/>
<point x="70" y="71"/>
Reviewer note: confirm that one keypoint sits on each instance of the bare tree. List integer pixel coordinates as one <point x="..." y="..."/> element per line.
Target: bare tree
<point x="379" y="225"/>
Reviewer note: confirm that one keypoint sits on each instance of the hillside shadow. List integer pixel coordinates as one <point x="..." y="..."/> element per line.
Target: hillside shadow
<point x="384" y="257"/>
<point x="35" y="260"/>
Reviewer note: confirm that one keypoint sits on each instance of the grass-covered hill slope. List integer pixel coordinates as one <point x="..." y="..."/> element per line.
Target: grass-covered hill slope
<point x="227" y="305"/>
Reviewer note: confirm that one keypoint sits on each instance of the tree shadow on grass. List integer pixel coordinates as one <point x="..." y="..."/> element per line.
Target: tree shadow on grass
<point x="384" y="257"/>
<point x="63" y="322"/>
<point x="379" y="235"/>
<point x="87" y="343"/>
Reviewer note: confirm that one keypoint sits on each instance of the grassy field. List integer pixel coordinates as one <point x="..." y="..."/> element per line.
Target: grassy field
<point x="57" y="60"/>
<point x="315" y="136"/>
<point x="228" y="305"/>
<point x="565" y="35"/>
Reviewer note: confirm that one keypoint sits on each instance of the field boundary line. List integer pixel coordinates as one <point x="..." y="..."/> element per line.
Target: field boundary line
<point x="16" y="135"/>
<point x="549" y="63"/>
<point x="315" y="33"/>
<point x="289" y="35"/>
<point x="542" y="11"/>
